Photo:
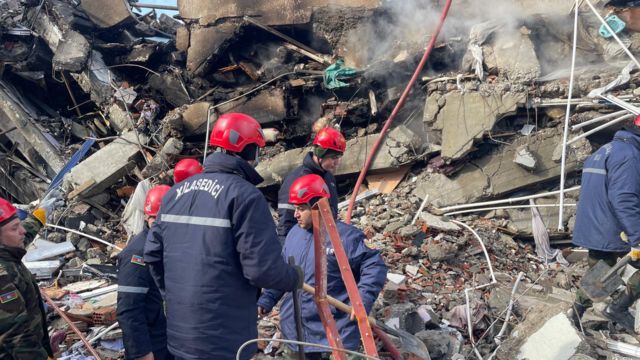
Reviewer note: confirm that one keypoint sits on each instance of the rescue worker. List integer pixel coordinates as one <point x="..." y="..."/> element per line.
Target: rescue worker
<point x="186" y="168"/>
<point x="366" y="263"/>
<point x="23" y="326"/>
<point x="214" y="245"/>
<point x="140" y="306"/>
<point x="328" y="147"/>
<point x="608" y="217"/>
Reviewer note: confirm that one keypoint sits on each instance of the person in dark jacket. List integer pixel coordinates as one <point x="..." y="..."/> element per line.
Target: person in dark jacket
<point x="140" y="306"/>
<point x="23" y="326"/>
<point x="214" y="246"/>
<point x="608" y="217"/>
<point x="367" y="265"/>
<point x="328" y="147"/>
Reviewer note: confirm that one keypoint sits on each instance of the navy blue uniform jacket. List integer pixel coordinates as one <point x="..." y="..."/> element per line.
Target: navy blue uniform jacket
<point x="610" y="196"/>
<point x="368" y="269"/>
<point x="285" y="210"/>
<point x="140" y="311"/>
<point x="211" y="249"/>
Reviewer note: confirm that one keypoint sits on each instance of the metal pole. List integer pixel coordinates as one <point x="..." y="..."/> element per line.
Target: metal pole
<point x="598" y="119"/>
<point x="297" y="312"/>
<point x="155" y="6"/>
<point x="206" y="135"/>
<point x="567" y="119"/>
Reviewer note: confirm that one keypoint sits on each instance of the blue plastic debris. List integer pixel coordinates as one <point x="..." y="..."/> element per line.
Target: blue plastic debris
<point x="75" y="159"/>
<point x="616" y="25"/>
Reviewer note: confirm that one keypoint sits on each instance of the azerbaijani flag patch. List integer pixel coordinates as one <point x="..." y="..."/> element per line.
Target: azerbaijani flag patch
<point x="12" y="295"/>
<point x="138" y="260"/>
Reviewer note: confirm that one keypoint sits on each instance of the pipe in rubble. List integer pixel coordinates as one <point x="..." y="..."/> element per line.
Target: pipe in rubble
<point x="424" y="203"/>
<point x="596" y="129"/>
<point x="504" y="201"/>
<point x="599" y="119"/>
<point x="84" y="234"/>
<point x="396" y="110"/>
<point x="466" y="291"/>
<point x="567" y="118"/>
<point x="155" y="6"/>
<point x="498" y="338"/>
<point x="503" y="208"/>
<point x="623" y="104"/>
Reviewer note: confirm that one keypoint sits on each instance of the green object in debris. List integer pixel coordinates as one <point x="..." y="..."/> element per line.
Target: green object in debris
<point x="335" y="72"/>
<point x="614" y="23"/>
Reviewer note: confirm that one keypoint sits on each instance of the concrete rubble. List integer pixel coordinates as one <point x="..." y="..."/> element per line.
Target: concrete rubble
<point x="101" y="98"/>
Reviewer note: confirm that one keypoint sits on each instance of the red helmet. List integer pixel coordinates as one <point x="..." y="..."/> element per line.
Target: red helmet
<point x="234" y="131"/>
<point x="186" y="168"/>
<point x="7" y="211"/>
<point x="154" y="199"/>
<point x="330" y="138"/>
<point x="307" y="188"/>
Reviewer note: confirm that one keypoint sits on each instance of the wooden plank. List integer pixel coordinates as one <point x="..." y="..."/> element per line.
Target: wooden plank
<point x="80" y="189"/>
<point x="387" y="182"/>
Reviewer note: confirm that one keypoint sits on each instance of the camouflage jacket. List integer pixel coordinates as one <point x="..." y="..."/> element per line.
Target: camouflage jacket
<point x="23" y="327"/>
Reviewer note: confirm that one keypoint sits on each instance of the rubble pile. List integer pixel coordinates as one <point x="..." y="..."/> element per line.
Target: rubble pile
<point x="100" y="98"/>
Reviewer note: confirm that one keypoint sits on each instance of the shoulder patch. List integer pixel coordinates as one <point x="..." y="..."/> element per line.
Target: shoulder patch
<point x="10" y="296"/>
<point x="138" y="260"/>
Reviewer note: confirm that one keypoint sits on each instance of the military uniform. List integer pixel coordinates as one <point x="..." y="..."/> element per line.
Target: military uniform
<point x="23" y="327"/>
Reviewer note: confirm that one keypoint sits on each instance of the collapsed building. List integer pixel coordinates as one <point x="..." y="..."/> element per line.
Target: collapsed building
<point x="102" y="98"/>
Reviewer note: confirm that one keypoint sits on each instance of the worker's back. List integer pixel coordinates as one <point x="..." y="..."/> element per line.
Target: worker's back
<point x="217" y="246"/>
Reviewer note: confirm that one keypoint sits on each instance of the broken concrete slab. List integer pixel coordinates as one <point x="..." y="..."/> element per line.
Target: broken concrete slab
<point x="397" y="149"/>
<point x="278" y="12"/>
<point x="520" y="219"/>
<point x="556" y="339"/>
<point x="438" y="223"/>
<point x="467" y="117"/>
<point x="171" y="88"/>
<point x="105" y="167"/>
<point x="97" y="79"/>
<point x="546" y="333"/>
<point x="442" y="344"/>
<point x="515" y="55"/>
<point x="42" y="250"/>
<point x="119" y="118"/>
<point x="42" y="269"/>
<point x="163" y="160"/>
<point x="205" y="42"/>
<point x="194" y="118"/>
<point x="107" y="13"/>
<point x="182" y="38"/>
<point x="497" y="175"/>
<point x="267" y="106"/>
<point x="525" y="158"/>
<point x="142" y="53"/>
<point x="72" y="52"/>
